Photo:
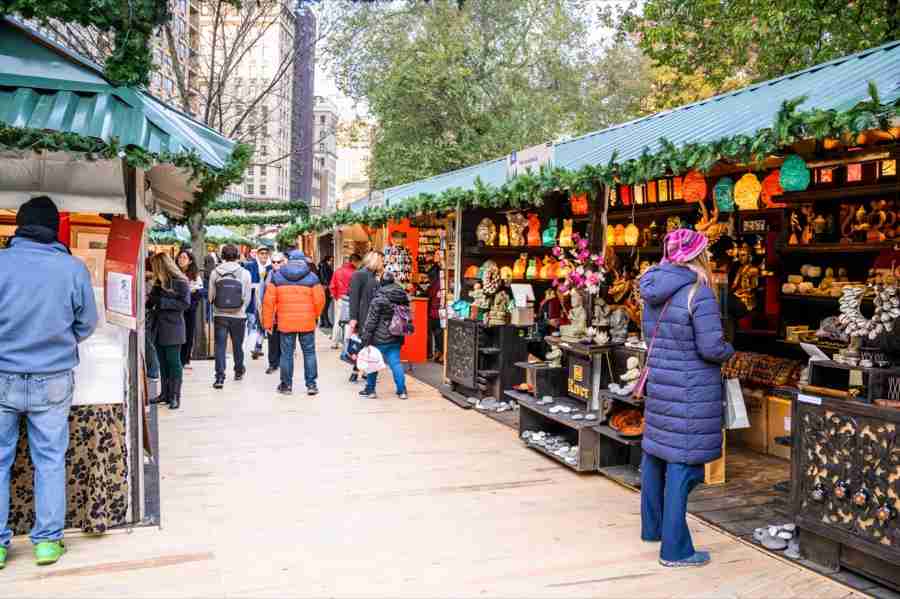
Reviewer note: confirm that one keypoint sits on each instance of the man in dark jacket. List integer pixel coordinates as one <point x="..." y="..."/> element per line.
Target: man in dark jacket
<point x="47" y="308"/>
<point x="257" y="267"/>
<point x="376" y="331"/>
<point x="363" y="286"/>
<point x="326" y="271"/>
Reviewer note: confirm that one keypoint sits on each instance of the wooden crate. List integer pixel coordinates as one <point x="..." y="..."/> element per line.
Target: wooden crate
<point x="714" y="472"/>
<point x="779" y="425"/>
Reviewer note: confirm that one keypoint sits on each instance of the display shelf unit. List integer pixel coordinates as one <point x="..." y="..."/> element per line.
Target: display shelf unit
<point x="626" y="474"/>
<point x="625" y="399"/>
<point x="624" y="214"/>
<point x="493" y="250"/>
<point x="649" y="250"/>
<point x="841" y="192"/>
<point x="548" y="380"/>
<point x="472" y="281"/>
<point x="608" y="431"/>
<point x="816" y="299"/>
<point x="479" y="359"/>
<point x="838" y="248"/>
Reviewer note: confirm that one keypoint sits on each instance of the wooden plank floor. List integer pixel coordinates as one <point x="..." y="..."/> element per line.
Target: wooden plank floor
<point x="269" y="496"/>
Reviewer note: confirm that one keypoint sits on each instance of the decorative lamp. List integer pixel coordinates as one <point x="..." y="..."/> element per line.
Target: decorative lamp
<point x="506" y="273"/>
<point x="694" y="187"/>
<point x="663" y="190"/>
<point x="723" y="192"/>
<point x="504" y="236"/>
<point x="625" y="194"/>
<point x="678" y="188"/>
<point x="651" y="192"/>
<point x="471" y="272"/>
<point x="771" y="187"/>
<point x="610" y="235"/>
<point x="746" y="192"/>
<point x="580" y="205"/>
<point x="619" y="235"/>
<point x="632" y="234"/>
<point x="639" y="195"/>
<point x="794" y="174"/>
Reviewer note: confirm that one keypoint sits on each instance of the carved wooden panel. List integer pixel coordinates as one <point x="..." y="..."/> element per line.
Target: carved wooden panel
<point x="462" y="352"/>
<point x="850" y="474"/>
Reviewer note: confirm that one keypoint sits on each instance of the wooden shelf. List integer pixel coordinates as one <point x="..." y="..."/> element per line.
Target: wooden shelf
<point x="519" y="396"/>
<point x="626" y="475"/>
<point x="645" y="250"/>
<point x="628" y="399"/>
<point x="816" y="299"/>
<point x="839" y="193"/>
<point x="530" y="403"/>
<point x="494" y="250"/>
<point x="553" y="456"/>
<point x="837" y="248"/>
<point x="472" y="281"/>
<point x="606" y="431"/>
<point x="651" y="210"/>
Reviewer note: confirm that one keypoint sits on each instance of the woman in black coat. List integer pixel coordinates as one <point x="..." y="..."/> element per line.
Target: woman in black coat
<point x="169" y="299"/>
<point x="188" y="267"/>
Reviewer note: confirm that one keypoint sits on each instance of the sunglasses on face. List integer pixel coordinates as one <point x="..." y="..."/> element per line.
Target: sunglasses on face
<point x="277" y="261"/>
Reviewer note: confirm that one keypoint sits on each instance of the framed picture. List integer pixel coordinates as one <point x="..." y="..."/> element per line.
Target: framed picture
<point x="89" y="238"/>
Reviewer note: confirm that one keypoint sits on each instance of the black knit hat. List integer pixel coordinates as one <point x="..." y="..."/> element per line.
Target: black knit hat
<point x="39" y="211"/>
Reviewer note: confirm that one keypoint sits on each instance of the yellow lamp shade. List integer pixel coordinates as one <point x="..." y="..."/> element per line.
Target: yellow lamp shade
<point x="746" y="192"/>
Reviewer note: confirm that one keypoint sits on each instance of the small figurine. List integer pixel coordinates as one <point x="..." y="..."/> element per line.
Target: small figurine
<point x="806" y="235"/>
<point x="549" y="268"/>
<point x="531" y="272"/>
<point x="499" y="310"/>
<point x="796" y="229"/>
<point x="517" y="224"/>
<point x="746" y="280"/>
<point x="534" y="230"/>
<point x="861" y="226"/>
<point x="504" y="236"/>
<point x="618" y="325"/>
<point x="479" y="301"/>
<point x="577" y="326"/>
<point x="554" y="357"/>
<point x="565" y="236"/>
<point x="549" y="235"/>
<point x="506" y="273"/>
<point x="520" y="266"/>
<point x="538" y="268"/>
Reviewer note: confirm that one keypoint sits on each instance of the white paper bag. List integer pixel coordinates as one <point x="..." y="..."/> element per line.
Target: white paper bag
<point x="370" y="360"/>
<point x="735" y="409"/>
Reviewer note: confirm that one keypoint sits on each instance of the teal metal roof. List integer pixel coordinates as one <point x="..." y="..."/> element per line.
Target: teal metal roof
<point x="44" y="86"/>
<point x="839" y="84"/>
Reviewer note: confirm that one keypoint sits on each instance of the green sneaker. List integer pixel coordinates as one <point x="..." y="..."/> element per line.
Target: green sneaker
<point x="3" y="552"/>
<point x="48" y="552"/>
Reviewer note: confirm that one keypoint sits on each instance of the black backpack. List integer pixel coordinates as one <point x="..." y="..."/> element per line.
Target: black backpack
<point x="229" y="292"/>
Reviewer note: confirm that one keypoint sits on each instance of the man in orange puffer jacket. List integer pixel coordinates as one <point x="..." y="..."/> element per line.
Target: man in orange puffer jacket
<point x="295" y="298"/>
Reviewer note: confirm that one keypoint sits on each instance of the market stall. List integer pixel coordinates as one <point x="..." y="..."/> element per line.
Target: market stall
<point x="69" y="134"/>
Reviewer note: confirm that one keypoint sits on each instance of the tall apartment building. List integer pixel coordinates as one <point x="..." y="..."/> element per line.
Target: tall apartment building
<point x="354" y="151"/>
<point x="324" y="182"/>
<point x="260" y="86"/>
<point x="302" y="107"/>
<point x="185" y="26"/>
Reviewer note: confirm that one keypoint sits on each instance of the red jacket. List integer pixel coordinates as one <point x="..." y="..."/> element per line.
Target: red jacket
<point x="340" y="282"/>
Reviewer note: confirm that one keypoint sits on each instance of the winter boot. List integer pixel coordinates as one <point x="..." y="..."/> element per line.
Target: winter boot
<point x="164" y="394"/>
<point x="175" y="394"/>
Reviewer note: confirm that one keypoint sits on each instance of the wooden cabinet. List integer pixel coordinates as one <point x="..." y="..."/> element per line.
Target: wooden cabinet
<point x="481" y="359"/>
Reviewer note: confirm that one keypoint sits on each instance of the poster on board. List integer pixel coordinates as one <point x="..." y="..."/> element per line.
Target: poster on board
<point x="123" y="253"/>
<point x="532" y="159"/>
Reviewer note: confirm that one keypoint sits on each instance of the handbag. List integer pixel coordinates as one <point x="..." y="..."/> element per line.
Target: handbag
<point x="351" y="350"/>
<point x="735" y="408"/>
<point x="370" y="360"/>
<point x="642" y="382"/>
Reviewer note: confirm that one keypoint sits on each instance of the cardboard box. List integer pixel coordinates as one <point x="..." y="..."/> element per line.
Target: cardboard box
<point x="714" y="472"/>
<point x="779" y="426"/>
<point x="757" y="436"/>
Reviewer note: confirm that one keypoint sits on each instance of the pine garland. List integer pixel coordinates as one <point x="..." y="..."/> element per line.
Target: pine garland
<point x="232" y="220"/>
<point x="530" y="188"/>
<point x="301" y="208"/>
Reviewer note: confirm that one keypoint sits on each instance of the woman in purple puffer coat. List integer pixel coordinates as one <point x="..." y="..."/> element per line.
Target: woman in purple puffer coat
<point x="683" y="411"/>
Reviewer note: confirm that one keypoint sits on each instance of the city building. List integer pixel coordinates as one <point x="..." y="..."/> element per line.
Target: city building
<point x="302" y="108"/>
<point x="324" y="181"/>
<point x="257" y="91"/>
<point x="354" y="151"/>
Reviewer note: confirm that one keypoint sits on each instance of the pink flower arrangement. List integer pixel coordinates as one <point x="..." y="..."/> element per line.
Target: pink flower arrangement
<point x="585" y="270"/>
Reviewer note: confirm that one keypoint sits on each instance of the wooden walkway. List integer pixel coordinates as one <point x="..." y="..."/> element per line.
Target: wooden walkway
<point x="267" y="496"/>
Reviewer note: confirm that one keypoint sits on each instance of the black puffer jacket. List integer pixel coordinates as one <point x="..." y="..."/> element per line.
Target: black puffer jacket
<point x="381" y="311"/>
<point x="168" y="308"/>
<point x="363" y="287"/>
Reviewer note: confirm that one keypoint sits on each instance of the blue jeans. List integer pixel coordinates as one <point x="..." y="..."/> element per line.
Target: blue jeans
<point x="44" y="399"/>
<point x="223" y="328"/>
<point x="391" y="354"/>
<point x="665" y="487"/>
<point x="310" y="366"/>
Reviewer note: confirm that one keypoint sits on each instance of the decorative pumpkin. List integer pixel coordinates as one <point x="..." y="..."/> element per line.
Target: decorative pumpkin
<point x="471" y="272"/>
<point x="520" y="266"/>
<point x="651" y="192"/>
<point x="531" y="272"/>
<point x="694" y="187"/>
<point x="794" y="174"/>
<point x="549" y="235"/>
<point x="746" y="192"/>
<point x="632" y="234"/>
<point x="534" y="230"/>
<point x="504" y="236"/>
<point x="610" y="235"/>
<point x="771" y="187"/>
<point x="580" y="204"/>
<point x="723" y="192"/>
<point x="619" y="235"/>
<point x="565" y="236"/>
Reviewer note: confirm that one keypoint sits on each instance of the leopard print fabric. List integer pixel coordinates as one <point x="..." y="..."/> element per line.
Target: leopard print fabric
<point x="96" y="469"/>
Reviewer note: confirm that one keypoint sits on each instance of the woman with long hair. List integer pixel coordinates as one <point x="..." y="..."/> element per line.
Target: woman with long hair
<point x="169" y="299"/>
<point x="188" y="267"/>
<point x="683" y="394"/>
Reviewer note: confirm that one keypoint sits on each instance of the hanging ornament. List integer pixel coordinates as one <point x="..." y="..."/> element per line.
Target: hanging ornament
<point x="694" y="187"/>
<point x="794" y="174"/>
<point x="580" y="204"/>
<point x="723" y="192"/>
<point x="746" y="192"/>
<point x="771" y="187"/>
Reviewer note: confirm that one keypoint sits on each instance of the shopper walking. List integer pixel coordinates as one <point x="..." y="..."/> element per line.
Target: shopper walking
<point x="229" y="294"/>
<point x="274" y="337"/>
<point x="169" y="299"/>
<point x="47" y="308"/>
<point x="363" y="286"/>
<point x="435" y="308"/>
<point x="683" y="410"/>
<point x="340" y="288"/>
<point x="326" y="272"/>
<point x="256" y="266"/>
<point x="188" y="267"/>
<point x="378" y="331"/>
<point x="294" y="300"/>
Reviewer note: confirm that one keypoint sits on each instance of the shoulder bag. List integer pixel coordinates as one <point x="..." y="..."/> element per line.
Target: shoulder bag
<point x="642" y="382"/>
